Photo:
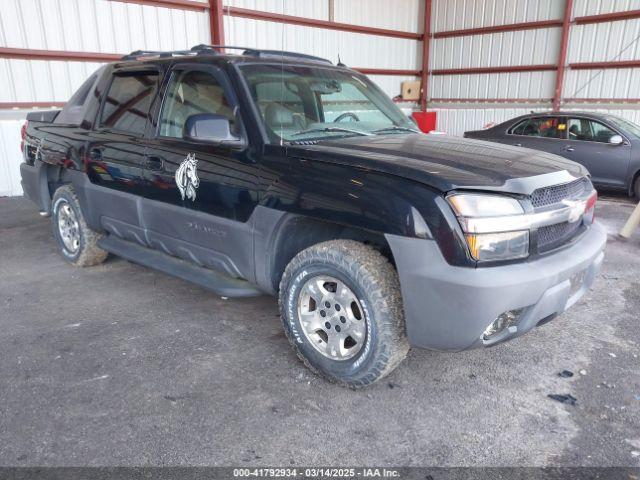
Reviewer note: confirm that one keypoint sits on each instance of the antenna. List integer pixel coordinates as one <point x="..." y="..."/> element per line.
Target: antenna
<point x="282" y="77"/>
<point x="340" y="64"/>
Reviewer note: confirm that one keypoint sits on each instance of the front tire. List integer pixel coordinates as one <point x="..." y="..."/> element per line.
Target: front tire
<point x="341" y="310"/>
<point x="636" y="188"/>
<point x="77" y="242"/>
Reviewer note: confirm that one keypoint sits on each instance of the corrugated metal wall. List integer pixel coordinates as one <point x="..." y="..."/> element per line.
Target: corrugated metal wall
<point x="354" y="49"/>
<point x="84" y="26"/>
<point x="516" y="48"/>
<point x="494" y="49"/>
<point x="603" y="42"/>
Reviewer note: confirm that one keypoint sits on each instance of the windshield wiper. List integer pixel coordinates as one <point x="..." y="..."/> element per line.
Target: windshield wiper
<point x="330" y="129"/>
<point x="396" y="129"/>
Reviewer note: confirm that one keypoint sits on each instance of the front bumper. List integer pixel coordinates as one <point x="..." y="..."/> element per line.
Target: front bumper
<point x="449" y="308"/>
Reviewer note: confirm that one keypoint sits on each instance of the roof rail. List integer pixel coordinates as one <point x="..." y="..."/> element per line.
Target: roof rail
<point x="154" y="53"/>
<point x="255" y="52"/>
<point x="203" y="49"/>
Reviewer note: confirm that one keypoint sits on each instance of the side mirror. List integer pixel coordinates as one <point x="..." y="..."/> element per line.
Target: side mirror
<point x="616" y="140"/>
<point x="211" y="128"/>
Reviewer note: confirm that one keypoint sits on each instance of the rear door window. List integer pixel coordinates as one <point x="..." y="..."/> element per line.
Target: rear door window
<point x="545" y="127"/>
<point x="126" y="107"/>
<point x="589" y="130"/>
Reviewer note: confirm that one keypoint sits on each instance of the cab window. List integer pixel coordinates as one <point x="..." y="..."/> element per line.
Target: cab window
<point x="589" y="130"/>
<point x="546" y="127"/>
<point x="191" y="93"/>
<point x="128" y="101"/>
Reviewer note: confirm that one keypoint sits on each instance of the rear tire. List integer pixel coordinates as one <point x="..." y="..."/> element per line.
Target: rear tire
<point x="341" y="310"/>
<point x="77" y="242"/>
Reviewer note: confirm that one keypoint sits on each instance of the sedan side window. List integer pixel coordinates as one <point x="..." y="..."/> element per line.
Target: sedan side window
<point x="547" y="127"/>
<point x="191" y="93"/>
<point x="589" y="130"/>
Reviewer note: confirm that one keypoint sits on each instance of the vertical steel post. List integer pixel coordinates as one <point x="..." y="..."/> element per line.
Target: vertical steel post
<point x="216" y="22"/>
<point x="562" y="57"/>
<point x="425" y="55"/>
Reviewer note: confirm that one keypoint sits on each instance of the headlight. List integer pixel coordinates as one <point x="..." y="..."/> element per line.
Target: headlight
<point x="472" y="205"/>
<point x="490" y="245"/>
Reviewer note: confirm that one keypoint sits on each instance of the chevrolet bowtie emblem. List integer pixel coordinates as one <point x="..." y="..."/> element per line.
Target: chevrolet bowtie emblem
<point x="577" y="209"/>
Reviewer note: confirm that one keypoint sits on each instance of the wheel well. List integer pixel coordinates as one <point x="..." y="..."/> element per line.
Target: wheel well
<point x="300" y="233"/>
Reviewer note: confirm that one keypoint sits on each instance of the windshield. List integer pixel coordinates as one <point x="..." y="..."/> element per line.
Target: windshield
<point x="303" y="103"/>
<point x="624" y="124"/>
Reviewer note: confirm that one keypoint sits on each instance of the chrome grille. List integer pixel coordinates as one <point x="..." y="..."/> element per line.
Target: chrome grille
<point x="544" y="197"/>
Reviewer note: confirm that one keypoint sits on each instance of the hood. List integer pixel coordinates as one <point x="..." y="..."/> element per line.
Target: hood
<point x="447" y="163"/>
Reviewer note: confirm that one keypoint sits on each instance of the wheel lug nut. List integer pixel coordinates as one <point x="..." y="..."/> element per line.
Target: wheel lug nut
<point x="337" y="328"/>
<point x="327" y="304"/>
<point x="337" y="307"/>
<point x="323" y="313"/>
<point x="328" y="325"/>
<point x="343" y="320"/>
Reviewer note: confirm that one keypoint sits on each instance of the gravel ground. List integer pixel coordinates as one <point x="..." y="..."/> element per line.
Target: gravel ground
<point x="121" y="365"/>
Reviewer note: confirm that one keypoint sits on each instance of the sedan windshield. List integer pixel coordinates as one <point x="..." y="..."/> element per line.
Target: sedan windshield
<point x="624" y="124"/>
<point x="304" y="103"/>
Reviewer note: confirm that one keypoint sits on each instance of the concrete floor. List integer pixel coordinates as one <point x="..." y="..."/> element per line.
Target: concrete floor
<point x="121" y="365"/>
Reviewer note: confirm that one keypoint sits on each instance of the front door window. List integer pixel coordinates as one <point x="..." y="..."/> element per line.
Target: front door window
<point x="589" y="130"/>
<point x="192" y="93"/>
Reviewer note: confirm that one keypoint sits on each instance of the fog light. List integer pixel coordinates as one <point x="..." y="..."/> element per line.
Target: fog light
<point x="504" y="320"/>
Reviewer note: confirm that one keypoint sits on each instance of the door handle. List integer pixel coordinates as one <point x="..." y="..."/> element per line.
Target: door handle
<point x="568" y="149"/>
<point x="517" y="144"/>
<point x="154" y="163"/>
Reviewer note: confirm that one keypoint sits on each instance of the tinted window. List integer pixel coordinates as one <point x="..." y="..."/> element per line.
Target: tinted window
<point x="75" y="110"/>
<point x="128" y="102"/>
<point x="548" y="127"/>
<point x="83" y="92"/>
<point x="191" y="93"/>
<point x="589" y="130"/>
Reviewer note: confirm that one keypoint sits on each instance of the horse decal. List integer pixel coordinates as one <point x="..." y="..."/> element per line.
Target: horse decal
<point x="187" y="177"/>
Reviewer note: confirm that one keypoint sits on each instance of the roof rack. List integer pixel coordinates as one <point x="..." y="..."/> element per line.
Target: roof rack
<point x="279" y="53"/>
<point x="204" y="49"/>
<point x="256" y="52"/>
<point x="153" y="53"/>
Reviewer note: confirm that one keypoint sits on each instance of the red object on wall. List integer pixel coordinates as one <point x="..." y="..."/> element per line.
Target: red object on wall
<point x="426" y="120"/>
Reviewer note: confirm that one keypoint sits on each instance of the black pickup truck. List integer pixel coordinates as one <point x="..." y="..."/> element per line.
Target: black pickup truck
<point x="280" y="173"/>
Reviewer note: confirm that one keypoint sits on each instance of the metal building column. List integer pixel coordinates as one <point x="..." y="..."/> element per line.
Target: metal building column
<point x="425" y="55"/>
<point x="216" y="22"/>
<point x="562" y="57"/>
